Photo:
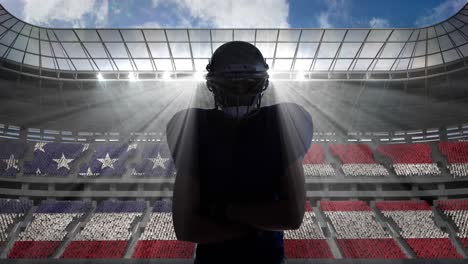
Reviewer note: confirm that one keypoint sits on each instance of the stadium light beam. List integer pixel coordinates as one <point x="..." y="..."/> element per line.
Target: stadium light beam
<point x="100" y="77"/>
<point x="166" y="76"/>
<point x="300" y="76"/>
<point x="199" y="76"/>
<point x="132" y="77"/>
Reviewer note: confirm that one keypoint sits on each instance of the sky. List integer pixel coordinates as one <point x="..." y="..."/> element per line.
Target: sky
<point x="233" y="13"/>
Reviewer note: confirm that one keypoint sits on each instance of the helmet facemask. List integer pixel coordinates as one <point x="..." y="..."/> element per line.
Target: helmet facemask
<point x="238" y="99"/>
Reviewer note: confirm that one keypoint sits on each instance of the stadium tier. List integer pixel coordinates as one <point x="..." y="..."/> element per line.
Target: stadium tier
<point x="315" y="164"/>
<point x="159" y="239"/>
<point x="10" y="154"/>
<point x="357" y="160"/>
<point x="146" y="160"/>
<point x="410" y="159"/>
<point x="308" y="241"/>
<point x="155" y="161"/>
<point x="54" y="159"/>
<point x="457" y="211"/>
<point x="358" y="234"/>
<point x="335" y="229"/>
<point x="11" y="213"/>
<point x="416" y="225"/>
<point x="457" y="157"/>
<point x="107" y="233"/>
<point x="48" y="228"/>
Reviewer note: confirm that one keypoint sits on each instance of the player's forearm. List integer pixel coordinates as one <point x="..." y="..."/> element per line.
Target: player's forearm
<point x="274" y="215"/>
<point x="205" y="230"/>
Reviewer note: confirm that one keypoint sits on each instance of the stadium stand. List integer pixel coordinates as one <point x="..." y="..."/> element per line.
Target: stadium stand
<point x="314" y="162"/>
<point x="457" y="211"/>
<point x="107" y="232"/>
<point x="159" y="239"/>
<point x="358" y="234"/>
<point x="48" y="228"/>
<point x="11" y="152"/>
<point x="457" y="157"/>
<point x="308" y="241"/>
<point x="156" y="161"/>
<point x="357" y="160"/>
<point x="415" y="222"/>
<point x="54" y="159"/>
<point x="108" y="160"/>
<point x="410" y="159"/>
<point x="11" y="212"/>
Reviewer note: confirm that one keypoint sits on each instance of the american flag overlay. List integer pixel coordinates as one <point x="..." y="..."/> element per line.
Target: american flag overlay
<point x="155" y="161"/>
<point x="108" y="231"/>
<point x="108" y="160"/>
<point x="159" y="239"/>
<point x="11" y="153"/>
<point x="54" y="159"/>
<point x="57" y="217"/>
<point x="11" y="213"/>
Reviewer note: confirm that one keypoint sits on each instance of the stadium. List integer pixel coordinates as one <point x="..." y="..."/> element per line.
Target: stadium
<point x="86" y="174"/>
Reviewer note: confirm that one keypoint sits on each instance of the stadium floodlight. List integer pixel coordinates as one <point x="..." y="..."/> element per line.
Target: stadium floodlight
<point x="100" y="77"/>
<point x="166" y="75"/>
<point x="132" y="77"/>
<point x="199" y="76"/>
<point x="300" y="76"/>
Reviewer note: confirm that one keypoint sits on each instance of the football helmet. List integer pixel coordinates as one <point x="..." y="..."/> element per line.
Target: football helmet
<point x="237" y="76"/>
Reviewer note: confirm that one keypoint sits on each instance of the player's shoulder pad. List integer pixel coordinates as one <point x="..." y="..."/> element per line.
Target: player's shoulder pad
<point x="296" y="112"/>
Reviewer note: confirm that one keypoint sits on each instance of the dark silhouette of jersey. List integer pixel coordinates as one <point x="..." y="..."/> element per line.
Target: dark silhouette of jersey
<point x="240" y="161"/>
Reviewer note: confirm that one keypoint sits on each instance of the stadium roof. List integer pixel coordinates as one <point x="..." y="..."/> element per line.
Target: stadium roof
<point x="147" y="53"/>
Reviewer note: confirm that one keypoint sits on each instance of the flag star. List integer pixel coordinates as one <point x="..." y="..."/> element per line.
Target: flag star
<point x="107" y="162"/>
<point x="158" y="162"/>
<point x="38" y="171"/>
<point x="85" y="147"/>
<point x="131" y="146"/>
<point x="88" y="172"/>
<point x="11" y="162"/>
<point x="63" y="162"/>
<point x="40" y="146"/>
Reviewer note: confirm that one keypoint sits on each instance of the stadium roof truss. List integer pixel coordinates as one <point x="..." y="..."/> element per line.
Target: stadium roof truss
<point x="91" y="54"/>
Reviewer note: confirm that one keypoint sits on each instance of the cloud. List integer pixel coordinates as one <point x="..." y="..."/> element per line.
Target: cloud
<point x="324" y="20"/>
<point x="224" y="14"/>
<point x="151" y="24"/>
<point x="377" y="22"/>
<point x="334" y="10"/>
<point x="440" y="13"/>
<point x="65" y="13"/>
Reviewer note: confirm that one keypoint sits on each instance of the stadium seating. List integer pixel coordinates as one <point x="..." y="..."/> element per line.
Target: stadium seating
<point x="48" y="228"/>
<point x="308" y="241"/>
<point x="54" y="159"/>
<point x="107" y="232"/>
<point x="11" y="212"/>
<point x="159" y="240"/>
<point x="357" y="160"/>
<point x="415" y="221"/>
<point x="155" y="161"/>
<point x="314" y="162"/>
<point x="358" y="233"/>
<point x="11" y="152"/>
<point x="108" y="160"/>
<point x="410" y="159"/>
<point x="457" y="211"/>
<point x="457" y="157"/>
